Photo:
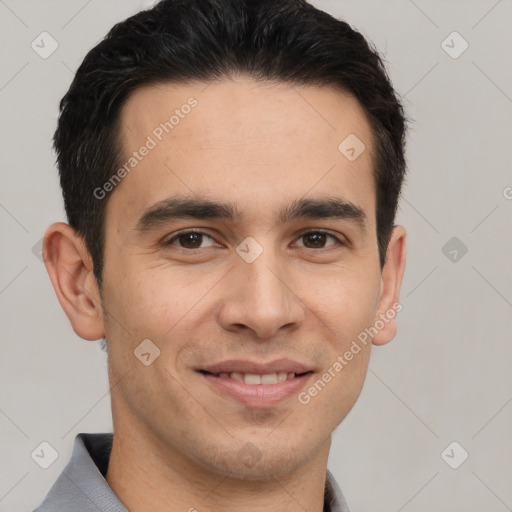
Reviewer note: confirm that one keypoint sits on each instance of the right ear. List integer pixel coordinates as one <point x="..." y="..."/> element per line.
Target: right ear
<point x="70" y="268"/>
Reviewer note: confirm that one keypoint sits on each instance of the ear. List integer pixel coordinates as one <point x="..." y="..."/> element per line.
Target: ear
<point x="69" y="266"/>
<point x="390" y="284"/>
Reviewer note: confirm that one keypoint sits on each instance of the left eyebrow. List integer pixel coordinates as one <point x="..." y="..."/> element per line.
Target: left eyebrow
<point x="324" y="208"/>
<point x="313" y="208"/>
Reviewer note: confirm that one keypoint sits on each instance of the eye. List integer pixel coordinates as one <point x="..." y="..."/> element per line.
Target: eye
<point x="189" y="240"/>
<point x="318" y="239"/>
<point x="192" y="239"/>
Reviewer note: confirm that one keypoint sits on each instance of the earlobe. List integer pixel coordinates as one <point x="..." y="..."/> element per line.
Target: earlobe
<point x="391" y="282"/>
<point x="69" y="266"/>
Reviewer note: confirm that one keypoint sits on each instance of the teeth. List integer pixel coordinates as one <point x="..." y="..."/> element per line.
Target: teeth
<point x="251" y="378"/>
<point x="270" y="378"/>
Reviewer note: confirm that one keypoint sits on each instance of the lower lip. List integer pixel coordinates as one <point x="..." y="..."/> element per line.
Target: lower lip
<point x="257" y="395"/>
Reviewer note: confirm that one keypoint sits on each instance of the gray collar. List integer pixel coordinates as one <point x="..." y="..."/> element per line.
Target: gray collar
<point x="82" y="486"/>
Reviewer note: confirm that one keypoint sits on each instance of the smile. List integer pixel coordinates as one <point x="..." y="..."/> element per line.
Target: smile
<point x="255" y="390"/>
<point x="255" y="379"/>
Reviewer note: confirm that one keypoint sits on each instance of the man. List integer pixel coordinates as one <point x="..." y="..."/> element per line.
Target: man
<point x="231" y="171"/>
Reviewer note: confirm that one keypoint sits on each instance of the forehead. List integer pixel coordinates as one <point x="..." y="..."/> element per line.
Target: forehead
<point x="258" y="143"/>
<point x="238" y="109"/>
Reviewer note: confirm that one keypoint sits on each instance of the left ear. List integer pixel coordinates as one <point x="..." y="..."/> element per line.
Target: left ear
<point x="390" y="284"/>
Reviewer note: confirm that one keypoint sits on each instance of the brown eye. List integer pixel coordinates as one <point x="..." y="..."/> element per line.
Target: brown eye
<point x="318" y="239"/>
<point x="189" y="239"/>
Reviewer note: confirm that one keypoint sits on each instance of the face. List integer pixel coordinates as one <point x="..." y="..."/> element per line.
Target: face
<point x="242" y="242"/>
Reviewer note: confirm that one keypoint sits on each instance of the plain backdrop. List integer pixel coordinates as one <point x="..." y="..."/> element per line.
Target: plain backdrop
<point x="445" y="378"/>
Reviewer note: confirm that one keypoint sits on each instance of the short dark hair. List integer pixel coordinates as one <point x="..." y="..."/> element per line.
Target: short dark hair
<point x="179" y="41"/>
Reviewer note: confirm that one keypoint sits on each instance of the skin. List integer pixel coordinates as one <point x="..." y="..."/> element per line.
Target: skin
<point x="260" y="146"/>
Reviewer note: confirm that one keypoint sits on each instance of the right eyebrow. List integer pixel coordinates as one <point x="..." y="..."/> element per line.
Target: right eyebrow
<point x="177" y="208"/>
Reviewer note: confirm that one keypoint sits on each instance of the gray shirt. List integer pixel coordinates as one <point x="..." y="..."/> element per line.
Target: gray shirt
<point x="82" y="487"/>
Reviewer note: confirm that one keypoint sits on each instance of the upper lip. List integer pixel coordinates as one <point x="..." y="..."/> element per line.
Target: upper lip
<point x="257" y="368"/>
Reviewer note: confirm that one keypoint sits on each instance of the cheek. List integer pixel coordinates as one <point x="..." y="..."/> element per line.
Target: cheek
<point x="345" y="302"/>
<point x="157" y="303"/>
<point x="346" y="305"/>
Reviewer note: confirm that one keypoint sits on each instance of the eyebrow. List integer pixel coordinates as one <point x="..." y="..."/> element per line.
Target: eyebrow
<point x="176" y="207"/>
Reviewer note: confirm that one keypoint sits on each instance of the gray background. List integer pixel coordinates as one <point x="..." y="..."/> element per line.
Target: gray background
<point x="446" y="377"/>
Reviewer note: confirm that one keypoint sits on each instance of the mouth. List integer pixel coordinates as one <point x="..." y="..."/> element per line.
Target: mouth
<point x="254" y="379"/>
<point x="256" y="385"/>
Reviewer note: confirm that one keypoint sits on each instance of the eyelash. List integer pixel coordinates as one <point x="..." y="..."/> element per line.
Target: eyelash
<point x="302" y="234"/>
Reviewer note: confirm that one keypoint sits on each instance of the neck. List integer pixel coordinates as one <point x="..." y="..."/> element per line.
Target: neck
<point x="147" y="476"/>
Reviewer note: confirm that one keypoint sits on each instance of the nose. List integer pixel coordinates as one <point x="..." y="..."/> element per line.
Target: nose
<point x="261" y="297"/>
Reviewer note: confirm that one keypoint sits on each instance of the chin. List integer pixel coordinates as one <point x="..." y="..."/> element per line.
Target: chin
<point x="254" y="462"/>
